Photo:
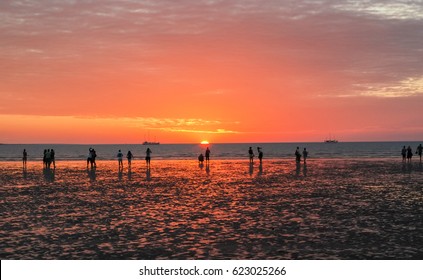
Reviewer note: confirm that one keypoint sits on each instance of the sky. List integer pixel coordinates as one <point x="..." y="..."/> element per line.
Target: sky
<point x="126" y="71"/>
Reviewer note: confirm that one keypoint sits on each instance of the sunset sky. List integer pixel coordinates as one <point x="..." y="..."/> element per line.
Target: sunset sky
<point x="184" y="71"/>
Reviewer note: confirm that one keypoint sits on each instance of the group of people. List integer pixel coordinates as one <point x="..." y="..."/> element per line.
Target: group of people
<point x="92" y="154"/>
<point x="130" y="156"/>
<point x="251" y="155"/>
<point x="207" y="157"/>
<point x="298" y="155"/>
<point x="407" y="153"/>
<point x="48" y="158"/>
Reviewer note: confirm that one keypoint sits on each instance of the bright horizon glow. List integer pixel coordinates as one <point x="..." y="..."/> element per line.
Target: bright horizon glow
<point x="225" y="71"/>
<point x="204" y="142"/>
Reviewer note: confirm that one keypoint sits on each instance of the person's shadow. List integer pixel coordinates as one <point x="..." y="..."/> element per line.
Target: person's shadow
<point x="148" y="174"/>
<point x="49" y="174"/>
<point x="298" y="168"/>
<point x="208" y="168"/>
<point x="260" y="172"/>
<point x="120" y="173"/>
<point x="24" y="173"/>
<point x="92" y="174"/>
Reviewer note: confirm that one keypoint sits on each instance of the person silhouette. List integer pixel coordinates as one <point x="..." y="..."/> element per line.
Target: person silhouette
<point x="24" y="157"/>
<point x="120" y="156"/>
<point x="90" y="157"/>
<point x="298" y="154"/>
<point x="305" y="154"/>
<point x="129" y="156"/>
<point x="94" y="155"/>
<point x="148" y="157"/>
<point x="409" y="154"/>
<point x="207" y="155"/>
<point x="419" y="151"/>
<point x="260" y="155"/>
<point x="52" y="154"/>
<point x="251" y="154"/>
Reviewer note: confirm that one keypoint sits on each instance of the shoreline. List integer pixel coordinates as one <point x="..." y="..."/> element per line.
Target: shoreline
<point x="237" y="159"/>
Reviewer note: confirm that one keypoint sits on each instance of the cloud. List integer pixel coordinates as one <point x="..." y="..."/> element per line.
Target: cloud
<point x="404" y="88"/>
<point x="398" y="9"/>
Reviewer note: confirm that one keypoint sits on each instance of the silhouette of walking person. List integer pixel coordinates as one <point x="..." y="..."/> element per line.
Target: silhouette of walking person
<point x="251" y="155"/>
<point x="148" y="157"/>
<point x="419" y="151"/>
<point x="24" y="158"/>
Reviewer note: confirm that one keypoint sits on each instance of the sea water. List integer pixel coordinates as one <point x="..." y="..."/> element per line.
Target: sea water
<point x="13" y="152"/>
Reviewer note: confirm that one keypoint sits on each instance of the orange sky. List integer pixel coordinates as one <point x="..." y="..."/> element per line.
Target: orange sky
<point x="223" y="71"/>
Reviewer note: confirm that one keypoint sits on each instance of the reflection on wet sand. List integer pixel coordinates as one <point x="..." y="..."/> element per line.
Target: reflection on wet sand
<point x="92" y="174"/>
<point x="148" y="174"/>
<point x="339" y="209"/>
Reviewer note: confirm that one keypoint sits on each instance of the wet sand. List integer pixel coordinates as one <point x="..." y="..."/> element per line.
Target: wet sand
<point x="328" y="209"/>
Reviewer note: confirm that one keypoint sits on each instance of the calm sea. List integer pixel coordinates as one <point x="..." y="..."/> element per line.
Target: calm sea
<point x="12" y="152"/>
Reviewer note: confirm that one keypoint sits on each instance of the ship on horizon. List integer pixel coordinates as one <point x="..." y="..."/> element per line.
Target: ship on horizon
<point x="150" y="143"/>
<point x="330" y="140"/>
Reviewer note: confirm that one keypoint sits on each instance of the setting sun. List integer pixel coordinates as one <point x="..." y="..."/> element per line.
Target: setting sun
<point x="204" y="142"/>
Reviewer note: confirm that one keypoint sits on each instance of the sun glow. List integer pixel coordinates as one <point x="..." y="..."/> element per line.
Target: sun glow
<point x="204" y="142"/>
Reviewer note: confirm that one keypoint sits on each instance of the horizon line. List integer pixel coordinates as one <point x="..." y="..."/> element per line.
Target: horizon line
<point x="217" y="143"/>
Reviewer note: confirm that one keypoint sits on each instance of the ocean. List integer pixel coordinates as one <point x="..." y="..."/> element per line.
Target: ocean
<point x="13" y="152"/>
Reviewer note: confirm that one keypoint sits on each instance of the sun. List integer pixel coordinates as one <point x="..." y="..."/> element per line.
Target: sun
<point x="204" y="142"/>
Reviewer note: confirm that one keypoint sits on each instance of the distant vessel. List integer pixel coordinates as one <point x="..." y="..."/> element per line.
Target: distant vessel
<point x="331" y="140"/>
<point x="150" y="143"/>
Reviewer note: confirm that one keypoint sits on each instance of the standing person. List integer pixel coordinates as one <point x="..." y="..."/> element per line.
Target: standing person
<point x="148" y="157"/>
<point x="298" y="154"/>
<point x="93" y="156"/>
<point x="409" y="153"/>
<point x="404" y="153"/>
<point x="52" y="154"/>
<point x="251" y="154"/>
<point x="419" y="151"/>
<point x="48" y="158"/>
<point x="207" y="155"/>
<point x="90" y="157"/>
<point x="305" y="154"/>
<point x="120" y="156"/>
<point x="25" y="157"/>
<point x="260" y="155"/>
<point x="129" y="156"/>
<point x="45" y="158"/>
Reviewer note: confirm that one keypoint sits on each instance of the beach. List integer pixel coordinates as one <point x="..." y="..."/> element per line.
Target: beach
<point x="325" y="209"/>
